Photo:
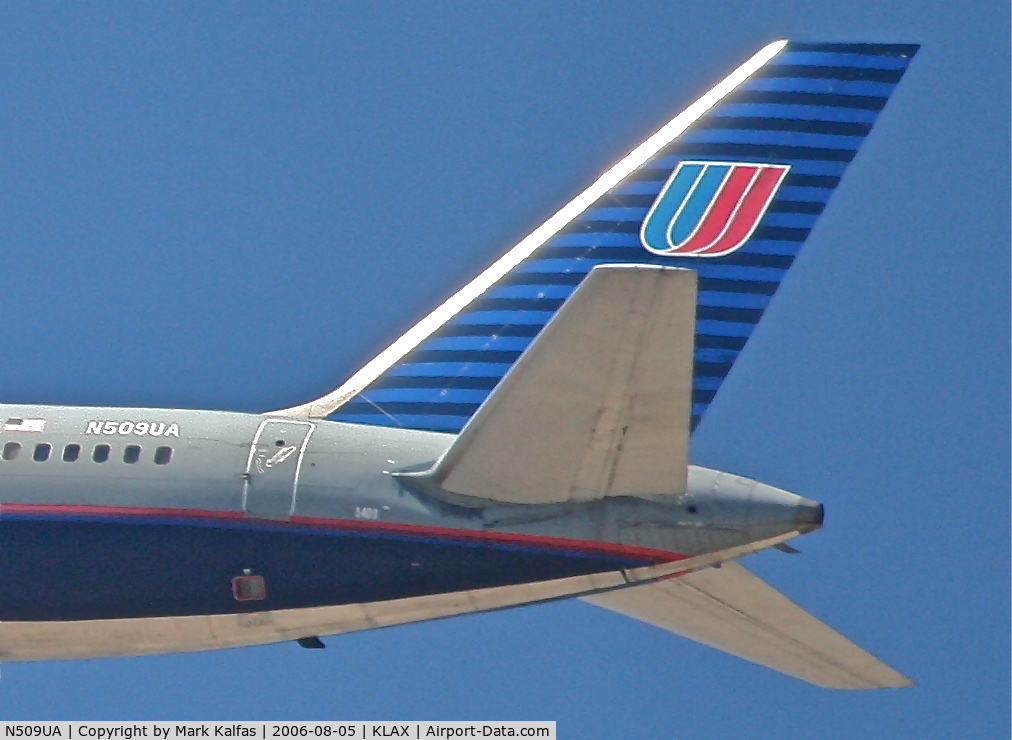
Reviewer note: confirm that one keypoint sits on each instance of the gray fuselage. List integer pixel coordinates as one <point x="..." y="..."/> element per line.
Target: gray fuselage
<point x="126" y="514"/>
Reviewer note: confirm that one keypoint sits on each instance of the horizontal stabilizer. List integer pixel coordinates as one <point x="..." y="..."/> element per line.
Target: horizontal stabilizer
<point x="732" y="610"/>
<point x="597" y="406"/>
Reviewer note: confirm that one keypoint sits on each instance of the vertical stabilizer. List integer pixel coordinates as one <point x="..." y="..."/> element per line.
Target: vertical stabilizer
<point x="731" y="188"/>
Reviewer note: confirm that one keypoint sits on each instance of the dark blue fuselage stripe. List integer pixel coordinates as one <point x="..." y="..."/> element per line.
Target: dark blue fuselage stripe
<point x="137" y="567"/>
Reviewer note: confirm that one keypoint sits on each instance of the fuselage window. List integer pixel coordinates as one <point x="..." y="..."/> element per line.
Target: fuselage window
<point x="163" y="455"/>
<point x="71" y="453"/>
<point x="42" y="452"/>
<point x="11" y="450"/>
<point x="131" y="454"/>
<point x="101" y="453"/>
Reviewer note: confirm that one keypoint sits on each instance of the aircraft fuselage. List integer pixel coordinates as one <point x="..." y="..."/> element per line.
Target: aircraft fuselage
<point x="126" y="514"/>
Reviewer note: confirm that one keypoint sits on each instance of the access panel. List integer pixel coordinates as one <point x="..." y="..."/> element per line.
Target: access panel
<point x="272" y="472"/>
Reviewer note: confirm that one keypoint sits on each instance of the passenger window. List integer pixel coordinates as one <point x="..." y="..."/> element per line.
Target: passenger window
<point x="42" y="452"/>
<point x="71" y="453"/>
<point x="163" y="455"/>
<point x="11" y="450"/>
<point x="131" y="454"/>
<point x="101" y="453"/>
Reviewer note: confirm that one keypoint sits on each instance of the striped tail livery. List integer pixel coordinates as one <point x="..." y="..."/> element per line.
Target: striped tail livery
<point x="730" y="188"/>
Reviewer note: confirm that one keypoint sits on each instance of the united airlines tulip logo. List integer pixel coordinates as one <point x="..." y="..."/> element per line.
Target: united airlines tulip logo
<point x="709" y="209"/>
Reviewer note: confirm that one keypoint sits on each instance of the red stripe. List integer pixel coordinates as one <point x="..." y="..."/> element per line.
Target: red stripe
<point x="353" y="525"/>
<point x="720" y="212"/>
<point x="747" y="217"/>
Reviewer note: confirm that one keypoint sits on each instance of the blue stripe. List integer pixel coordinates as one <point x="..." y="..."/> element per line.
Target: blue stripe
<point x="408" y="421"/>
<point x="774" y="138"/>
<point x="710" y="269"/>
<point x="427" y="395"/>
<point x="532" y="291"/>
<point x="724" y="328"/>
<point x="807" y="195"/>
<point x="820" y="85"/>
<point x="811" y="166"/>
<point x="576" y="265"/>
<point x="772" y="246"/>
<point x="788" y="111"/>
<point x="171" y="520"/>
<point x="698" y="409"/>
<point x="791" y="220"/>
<point x="503" y="318"/>
<point x="705" y="267"/>
<point x="451" y="369"/>
<point x="837" y="59"/>
<point x="581" y="251"/>
<point x="515" y="344"/>
<point x="798" y="167"/>
<point x="716" y="356"/>
<point x="638" y="187"/>
<point x="594" y="239"/>
<point x="614" y="214"/>
<point x="703" y="383"/>
<point x="733" y="300"/>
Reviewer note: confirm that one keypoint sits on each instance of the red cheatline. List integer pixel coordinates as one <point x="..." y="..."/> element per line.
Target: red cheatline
<point x="735" y="187"/>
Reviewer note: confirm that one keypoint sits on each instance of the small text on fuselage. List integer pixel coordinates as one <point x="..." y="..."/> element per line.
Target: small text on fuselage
<point x="136" y="428"/>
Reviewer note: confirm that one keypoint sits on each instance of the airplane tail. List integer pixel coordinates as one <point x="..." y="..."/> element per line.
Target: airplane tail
<point x="731" y="188"/>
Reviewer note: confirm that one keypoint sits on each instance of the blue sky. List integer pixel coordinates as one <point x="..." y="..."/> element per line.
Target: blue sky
<point x="233" y="205"/>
